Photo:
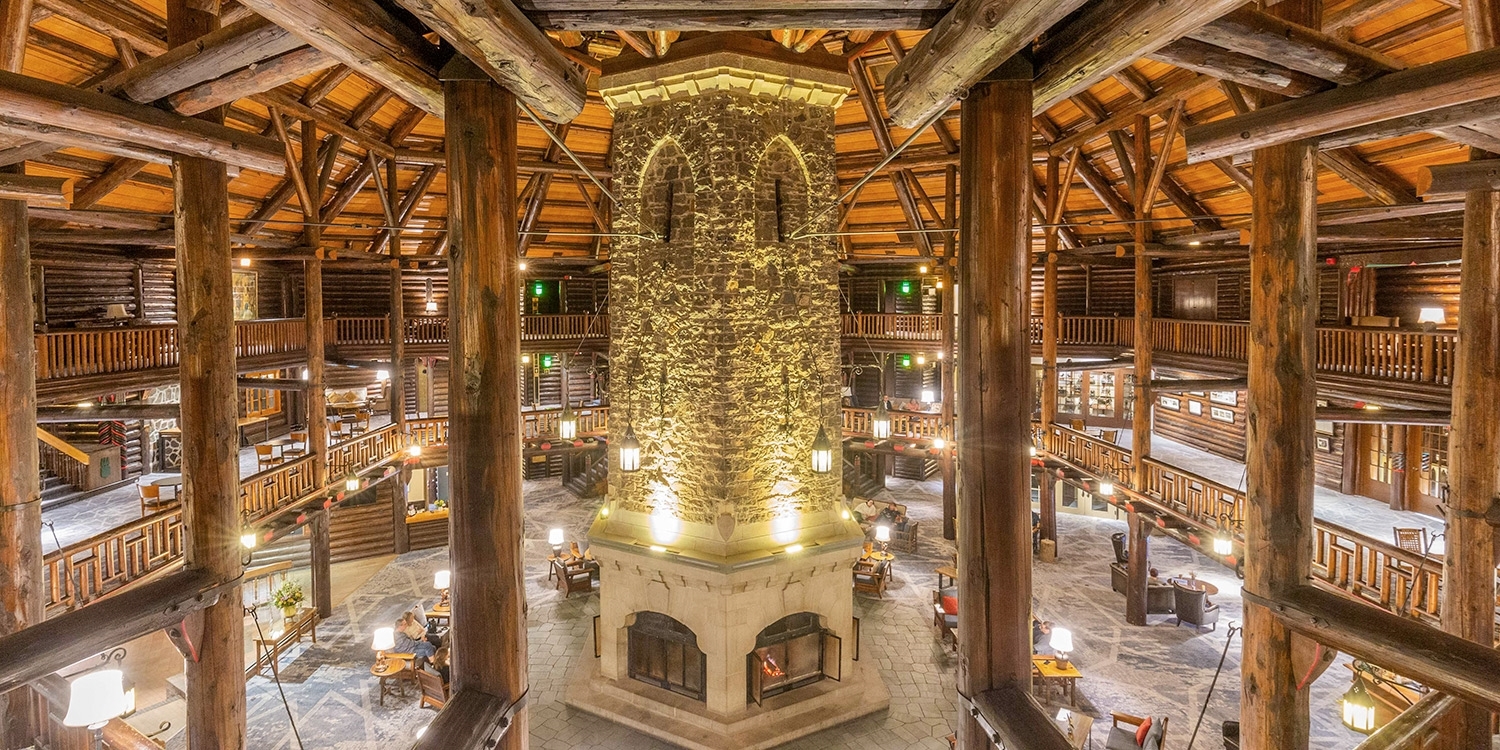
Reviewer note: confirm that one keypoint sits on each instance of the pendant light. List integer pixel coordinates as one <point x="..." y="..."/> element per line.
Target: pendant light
<point x="630" y="451"/>
<point x="567" y="423"/>
<point x="1359" y="707"/>
<point x="880" y="424"/>
<point x="822" y="452"/>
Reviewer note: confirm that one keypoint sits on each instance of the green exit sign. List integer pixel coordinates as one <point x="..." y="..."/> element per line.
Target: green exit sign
<point x="546" y="361"/>
<point x="538" y="289"/>
<point x="906" y="361"/>
<point x="906" y="286"/>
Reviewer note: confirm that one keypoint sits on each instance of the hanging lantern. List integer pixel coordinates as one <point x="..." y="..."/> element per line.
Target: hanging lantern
<point x="822" y="452"/>
<point x="567" y="424"/>
<point x="880" y="424"/>
<point x="1359" y="707"/>
<point x="630" y="451"/>
<point x="1223" y="543"/>
<point x="351" y="483"/>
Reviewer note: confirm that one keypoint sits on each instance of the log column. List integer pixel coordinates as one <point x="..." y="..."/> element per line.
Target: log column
<point x="1137" y="568"/>
<point x="1474" y="442"/>
<point x="322" y="564"/>
<point x="1279" y="449"/>
<point x="398" y="312"/>
<point x="1140" y="422"/>
<point x="994" y="541"/>
<point x="20" y="492"/>
<point x="945" y="371"/>
<point x="488" y="594"/>
<point x="312" y="298"/>
<point x="1050" y="322"/>
<point x="210" y="444"/>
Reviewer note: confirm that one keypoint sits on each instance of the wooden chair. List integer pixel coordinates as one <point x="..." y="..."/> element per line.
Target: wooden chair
<point x="870" y="578"/>
<point x="361" y="422"/>
<point x="1411" y="540"/>
<point x="434" y="692"/>
<point x="1077" y="425"/>
<point x="576" y="578"/>
<point x="1109" y="436"/>
<point x="266" y="457"/>
<point x="298" y="448"/>
<point x="338" y="428"/>
<point x="150" y="497"/>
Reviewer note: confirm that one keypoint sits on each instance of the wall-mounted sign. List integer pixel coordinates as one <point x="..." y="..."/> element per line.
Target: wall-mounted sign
<point x="1195" y="408"/>
<point x="1225" y="397"/>
<point x="1170" y="402"/>
<point x="1221" y="415"/>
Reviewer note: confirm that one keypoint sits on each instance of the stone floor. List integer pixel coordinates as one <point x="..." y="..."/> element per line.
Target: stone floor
<point x="1158" y="669"/>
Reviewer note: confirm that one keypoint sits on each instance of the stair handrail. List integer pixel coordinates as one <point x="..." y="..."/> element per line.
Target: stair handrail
<point x="63" y="446"/>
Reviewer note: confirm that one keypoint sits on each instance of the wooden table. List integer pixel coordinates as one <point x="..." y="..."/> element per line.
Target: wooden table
<point x="1075" y="726"/>
<point x="393" y="677"/>
<point x="1196" y="584"/>
<point x="167" y="482"/>
<point x="878" y="556"/>
<point x="947" y="571"/>
<point x="279" y="444"/>
<point x="1047" y="670"/>
<point x="270" y="644"/>
<point x="440" y="613"/>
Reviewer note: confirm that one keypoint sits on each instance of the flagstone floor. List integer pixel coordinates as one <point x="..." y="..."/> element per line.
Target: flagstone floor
<point x="1160" y="669"/>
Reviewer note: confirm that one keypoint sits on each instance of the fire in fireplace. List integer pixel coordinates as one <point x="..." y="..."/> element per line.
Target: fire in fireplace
<point x="664" y="652"/>
<point x="792" y="652"/>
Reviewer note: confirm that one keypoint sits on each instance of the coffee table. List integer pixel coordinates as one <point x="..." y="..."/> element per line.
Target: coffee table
<point x="393" y="676"/>
<point x="1048" y="671"/>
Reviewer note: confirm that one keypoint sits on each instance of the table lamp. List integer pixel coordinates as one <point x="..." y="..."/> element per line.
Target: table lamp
<point x="555" y="538"/>
<point x="883" y="535"/>
<point x="1062" y="645"/>
<point x="441" y="581"/>
<point x="385" y="640"/>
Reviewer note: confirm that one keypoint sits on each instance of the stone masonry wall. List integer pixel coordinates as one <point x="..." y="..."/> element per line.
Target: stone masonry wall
<point x="725" y="330"/>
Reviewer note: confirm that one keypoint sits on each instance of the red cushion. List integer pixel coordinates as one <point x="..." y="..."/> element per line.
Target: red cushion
<point x="950" y="605"/>
<point x="1142" y="730"/>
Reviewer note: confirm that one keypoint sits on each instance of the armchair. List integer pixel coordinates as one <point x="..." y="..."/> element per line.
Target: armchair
<point x="870" y="577"/>
<point x="1122" y="733"/>
<point x="1192" y="606"/>
<point x="434" y="692"/>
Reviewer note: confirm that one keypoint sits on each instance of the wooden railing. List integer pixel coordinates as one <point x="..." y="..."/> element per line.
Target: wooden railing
<point x="63" y="459"/>
<point x="254" y="338"/>
<point x="1375" y="571"/>
<point x="1379" y="353"/>
<point x="427" y="329"/>
<point x="104" y="563"/>
<point x="895" y="327"/>
<point x="592" y="421"/>
<point x="563" y="327"/>
<point x="428" y="432"/>
<point x="264" y="493"/>
<point x="72" y="354"/>
<point x="339" y="331"/>
<point x="358" y="453"/>
<point x="908" y="424"/>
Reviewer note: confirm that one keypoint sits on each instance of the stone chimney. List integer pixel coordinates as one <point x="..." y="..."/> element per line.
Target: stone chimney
<point x="725" y="545"/>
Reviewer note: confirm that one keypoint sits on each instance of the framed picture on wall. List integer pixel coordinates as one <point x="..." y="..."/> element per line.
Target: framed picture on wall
<point x="1231" y="398"/>
<point x="1171" y="402"/>
<point x="1325" y="444"/>
<point x="1323" y="427"/>
<point x="1199" y="394"/>
<point x="1221" y="415"/>
<point x="1195" y="408"/>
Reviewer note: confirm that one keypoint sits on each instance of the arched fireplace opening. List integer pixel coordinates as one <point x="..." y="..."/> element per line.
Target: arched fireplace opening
<point x="664" y="652"/>
<point x="793" y="652"/>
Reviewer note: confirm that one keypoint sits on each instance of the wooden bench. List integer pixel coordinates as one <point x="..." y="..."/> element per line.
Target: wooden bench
<point x="268" y="648"/>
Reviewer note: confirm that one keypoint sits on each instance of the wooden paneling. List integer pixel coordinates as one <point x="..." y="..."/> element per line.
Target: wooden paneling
<point x="1401" y="291"/>
<point x="362" y="527"/>
<point x="1201" y="430"/>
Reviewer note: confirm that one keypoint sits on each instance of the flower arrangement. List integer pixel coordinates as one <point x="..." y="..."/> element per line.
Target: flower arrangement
<point x="287" y="596"/>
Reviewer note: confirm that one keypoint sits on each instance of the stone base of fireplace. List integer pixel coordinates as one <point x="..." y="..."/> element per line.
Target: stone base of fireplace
<point x="688" y="723"/>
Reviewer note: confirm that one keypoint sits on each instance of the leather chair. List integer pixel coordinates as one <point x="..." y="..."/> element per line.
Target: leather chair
<point x="1118" y="570"/>
<point x="1192" y="606"/>
<point x="1160" y="599"/>
<point x="869" y="578"/>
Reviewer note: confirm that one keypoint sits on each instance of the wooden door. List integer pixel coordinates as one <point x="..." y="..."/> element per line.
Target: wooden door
<point x="1195" y="297"/>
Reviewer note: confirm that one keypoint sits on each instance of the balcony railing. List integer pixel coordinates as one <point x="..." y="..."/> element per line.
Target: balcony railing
<point x="1358" y="565"/>
<point x="907" y="424"/>
<point x="894" y="327"/>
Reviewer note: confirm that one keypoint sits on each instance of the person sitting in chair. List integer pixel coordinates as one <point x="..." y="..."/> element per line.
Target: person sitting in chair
<point x="890" y="515"/>
<point x="866" y="511"/>
<point x="412" y="638"/>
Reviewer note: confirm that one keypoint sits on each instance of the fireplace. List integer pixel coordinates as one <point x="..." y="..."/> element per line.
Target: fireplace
<point x="665" y="653"/>
<point x="792" y="652"/>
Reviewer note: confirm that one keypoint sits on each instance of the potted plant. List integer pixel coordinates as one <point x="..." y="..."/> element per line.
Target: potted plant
<point x="287" y="597"/>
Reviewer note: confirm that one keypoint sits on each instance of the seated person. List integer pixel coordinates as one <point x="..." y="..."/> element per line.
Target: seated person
<point x="866" y="511"/>
<point x="440" y="664"/>
<point x="412" y="638"/>
<point x="889" y="514"/>
<point x="1041" y="633"/>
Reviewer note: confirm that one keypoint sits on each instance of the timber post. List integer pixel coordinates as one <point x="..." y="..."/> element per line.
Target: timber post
<point x="1274" y="714"/>
<point x="20" y="493"/>
<point x="398" y="312"/>
<point x="321" y="563"/>
<point x="488" y="593"/>
<point x="312" y="285"/>
<point x="1474" y="443"/>
<point x="994" y="530"/>
<point x="1137" y="568"/>
<point x="945" y="372"/>
<point x="1050" y="321"/>
<point x="1140" y="422"/>
<point x="210" y="446"/>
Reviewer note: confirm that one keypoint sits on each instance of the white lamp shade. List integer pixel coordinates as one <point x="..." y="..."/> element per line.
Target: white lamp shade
<point x="555" y="537"/>
<point x="928" y="396"/>
<point x="385" y="639"/>
<point x="1432" y="315"/>
<point x="882" y="533"/>
<point x="441" y="579"/>
<point x="431" y="306"/>
<point x="382" y="375"/>
<point x="116" y="311"/>
<point x="95" y="698"/>
<point x="1106" y="488"/>
<point x="1061" y="641"/>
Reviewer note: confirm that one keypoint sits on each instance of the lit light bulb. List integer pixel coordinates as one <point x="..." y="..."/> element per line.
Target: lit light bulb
<point x="521" y="265"/>
<point x="525" y="359"/>
<point x="921" y="359"/>
<point x="245" y="262"/>
<point x="1106" y="487"/>
<point x="414" y="450"/>
<point x="351" y="484"/>
<point x="432" y="306"/>
<point x="939" y="443"/>
<point x="922" y="268"/>
<point x="248" y="540"/>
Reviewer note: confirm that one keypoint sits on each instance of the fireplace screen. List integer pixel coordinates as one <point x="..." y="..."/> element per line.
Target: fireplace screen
<point x="792" y="652"/>
<point x="664" y="653"/>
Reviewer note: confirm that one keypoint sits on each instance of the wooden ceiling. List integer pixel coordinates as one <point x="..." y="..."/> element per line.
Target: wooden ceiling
<point x="86" y="42"/>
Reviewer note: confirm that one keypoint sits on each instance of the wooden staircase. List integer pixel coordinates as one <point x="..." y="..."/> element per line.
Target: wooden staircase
<point x="593" y="480"/>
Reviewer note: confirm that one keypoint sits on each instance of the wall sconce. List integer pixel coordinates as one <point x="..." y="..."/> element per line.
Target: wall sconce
<point x="630" y="450"/>
<point x="414" y="450"/>
<point x="247" y="540"/>
<point x="1106" y="487"/>
<point x="938" y="443"/>
<point x="1224" y="537"/>
<point x="245" y="261"/>
<point x="431" y="304"/>
<point x="1359" y="707"/>
<point x="822" y="452"/>
<point x="928" y="396"/>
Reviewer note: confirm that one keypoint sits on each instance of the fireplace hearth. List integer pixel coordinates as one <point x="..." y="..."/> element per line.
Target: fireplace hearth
<point x="793" y="652"/>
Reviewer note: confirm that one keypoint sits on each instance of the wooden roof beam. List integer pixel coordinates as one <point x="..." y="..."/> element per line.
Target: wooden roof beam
<point x="266" y="75"/>
<point x="51" y="192"/>
<point x="704" y="18"/>
<point x="1261" y="35"/>
<point x="1368" y="178"/>
<point x="366" y="37"/>
<point x="1228" y="65"/>
<point x="971" y="40"/>
<point x="31" y="100"/>
<point x="113" y="20"/>
<point x="1110" y="35"/>
<point x="495" y="36"/>
<point x="1124" y="115"/>
<point x="213" y="55"/>
<point x="1456" y="81"/>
